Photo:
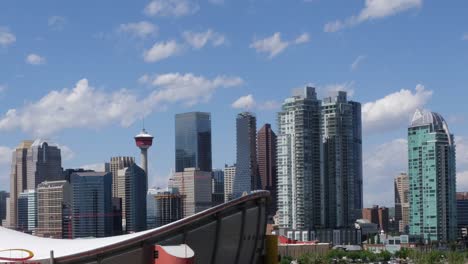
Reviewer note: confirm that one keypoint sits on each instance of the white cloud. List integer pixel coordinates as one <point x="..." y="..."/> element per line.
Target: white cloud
<point x="333" y="89"/>
<point x="66" y="152"/>
<point x="374" y="9"/>
<point x="303" y="38"/>
<point x="199" y="39"/>
<point x="462" y="181"/>
<point x="56" y="22"/>
<point x="274" y="45"/>
<point x="86" y="107"/>
<point x="35" y="59"/>
<point x="5" y="155"/>
<point x="6" y="37"/>
<point x="94" y="167"/>
<point x="462" y="151"/>
<point x="357" y="62"/>
<point x="188" y="89"/>
<point x="381" y="164"/>
<point x="394" y="110"/>
<point x="171" y="8"/>
<point x="162" y="50"/>
<point x="465" y="36"/>
<point x="142" y="29"/>
<point x="244" y="102"/>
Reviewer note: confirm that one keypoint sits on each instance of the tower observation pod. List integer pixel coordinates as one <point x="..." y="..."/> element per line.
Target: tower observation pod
<point x="144" y="142"/>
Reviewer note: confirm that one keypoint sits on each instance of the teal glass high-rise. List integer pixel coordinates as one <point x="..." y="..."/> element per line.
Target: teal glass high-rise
<point x="431" y="164"/>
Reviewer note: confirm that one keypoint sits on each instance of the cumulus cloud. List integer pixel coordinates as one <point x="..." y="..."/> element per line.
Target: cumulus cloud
<point x="86" y="107"/>
<point x="246" y="102"/>
<point x="357" y="62"/>
<point x="162" y="50"/>
<point x="66" y="152"/>
<point x="199" y="39"/>
<point x="381" y="164"/>
<point x="94" y="167"/>
<point x="6" y="37"/>
<point x="303" y="38"/>
<point x="35" y="59"/>
<point x="56" y="22"/>
<point x="5" y="155"/>
<point x="394" y="110"/>
<point x="374" y="9"/>
<point x="171" y="8"/>
<point x="188" y="88"/>
<point x="462" y="181"/>
<point x="142" y="29"/>
<point x="274" y="45"/>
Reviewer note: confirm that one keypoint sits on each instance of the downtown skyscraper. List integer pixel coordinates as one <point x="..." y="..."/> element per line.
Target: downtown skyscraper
<point x="193" y="141"/>
<point x="402" y="202"/>
<point x="299" y="161"/>
<point x="267" y="169"/>
<point x="342" y="161"/>
<point x="431" y="164"/>
<point x="246" y="179"/>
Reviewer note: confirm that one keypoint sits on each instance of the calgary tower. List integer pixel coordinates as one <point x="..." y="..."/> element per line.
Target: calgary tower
<point x="144" y="142"/>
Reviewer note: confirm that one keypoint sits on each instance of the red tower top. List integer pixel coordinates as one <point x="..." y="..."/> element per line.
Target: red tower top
<point x="144" y="140"/>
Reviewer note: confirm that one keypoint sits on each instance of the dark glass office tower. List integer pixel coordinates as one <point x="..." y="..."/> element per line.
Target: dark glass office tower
<point x="266" y="152"/>
<point x="193" y="141"/>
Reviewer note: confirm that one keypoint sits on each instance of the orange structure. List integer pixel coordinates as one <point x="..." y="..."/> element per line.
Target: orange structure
<point x="181" y="254"/>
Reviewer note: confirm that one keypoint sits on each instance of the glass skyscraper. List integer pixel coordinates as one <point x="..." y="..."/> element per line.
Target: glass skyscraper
<point x="431" y="163"/>
<point x="299" y="161"/>
<point x="342" y="155"/>
<point x="193" y="141"/>
<point x="246" y="178"/>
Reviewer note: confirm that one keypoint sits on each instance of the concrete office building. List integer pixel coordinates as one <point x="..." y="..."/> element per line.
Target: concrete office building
<point x="53" y="205"/>
<point x="193" y="141"/>
<point x="267" y="169"/>
<point x="118" y="163"/>
<point x="18" y="179"/>
<point x="91" y="204"/>
<point x="169" y="207"/>
<point x="229" y="175"/>
<point x="431" y="162"/>
<point x="133" y="186"/>
<point x="246" y="179"/>
<point x="402" y="202"/>
<point x="3" y="205"/>
<point x="44" y="163"/>
<point x="462" y="214"/>
<point x="195" y="187"/>
<point x="27" y="211"/>
<point x="342" y="159"/>
<point x="217" y="187"/>
<point x="299" y="161"/>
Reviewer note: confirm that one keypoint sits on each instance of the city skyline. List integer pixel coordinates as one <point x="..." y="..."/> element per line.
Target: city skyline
<point x="381" y="81"/>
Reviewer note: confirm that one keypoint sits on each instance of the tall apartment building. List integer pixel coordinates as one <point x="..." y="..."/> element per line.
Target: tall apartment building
<point x="193" y="141"/>
<point x="195" y="187"/>
<point x="462" y="214"/>
<point x="133" y="187"/>
<point x="431" y="162"/>
<point x="53" y="209"/>
<point x="3" y="205"/>
<point x="217" y="187"/>
<point x="18" y="179"/>
<point x="91" y="204"/>
<point x="342" y="156"/>
<point x="299" y="161"/>
<point x="246" y="179"/>
<point x="402" y="202"/>
<point x="116" y="164"/>
<point x="27" y="211"/>
<point x="229" y="175"/>
<point x="267" y="169"/>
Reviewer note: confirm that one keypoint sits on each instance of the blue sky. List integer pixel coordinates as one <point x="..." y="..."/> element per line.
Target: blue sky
<point x="84" y="73"/>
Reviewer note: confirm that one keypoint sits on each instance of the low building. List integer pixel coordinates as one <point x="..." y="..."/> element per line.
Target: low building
<point x="462" y="211"/>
